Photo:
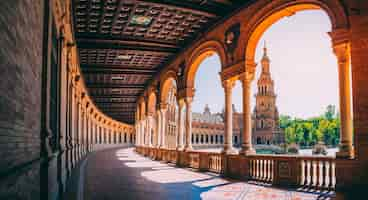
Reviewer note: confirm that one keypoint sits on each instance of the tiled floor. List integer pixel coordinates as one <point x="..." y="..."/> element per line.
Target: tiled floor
<point x="121" y="174"/>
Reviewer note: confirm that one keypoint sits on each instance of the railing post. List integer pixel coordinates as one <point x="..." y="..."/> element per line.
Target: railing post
<point x="245" y="167"/>
<point x="286" y="171"/>
<point x="204" y="161"/>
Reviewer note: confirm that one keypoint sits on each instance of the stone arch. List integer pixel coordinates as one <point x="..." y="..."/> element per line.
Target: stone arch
<point x="200" y="53"/>
<point x="142" y="112"/>
<point x="152" y="101"/>
<point x="273" y="12"/>
<point x="167" y="80"/>
<point x="138" y="112"/>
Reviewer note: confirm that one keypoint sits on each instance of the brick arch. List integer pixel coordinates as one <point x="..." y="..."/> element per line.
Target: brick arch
<point x="152" y="101"/>
<point x="142" y="109"/>
<point x="138" y="112"/>
<point x="273" y="12"/>
<point x="167" y="80"/>
<point x="200" y="53"/>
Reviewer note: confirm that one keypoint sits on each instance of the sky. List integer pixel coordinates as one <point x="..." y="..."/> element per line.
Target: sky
<point x="303" y="67"/>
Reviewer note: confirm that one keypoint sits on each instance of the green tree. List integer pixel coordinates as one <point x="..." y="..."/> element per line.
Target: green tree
<point x="308" y="132"/>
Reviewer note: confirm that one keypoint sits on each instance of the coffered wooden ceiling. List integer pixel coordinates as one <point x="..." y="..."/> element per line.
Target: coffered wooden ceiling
<point x="122" y="44"/>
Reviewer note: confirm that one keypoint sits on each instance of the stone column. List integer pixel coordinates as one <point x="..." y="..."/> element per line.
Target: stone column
<point x="188" y="124"/>
<point x="179" y="136"/>
<point x="104" y="134"/>
<point x="142" y="133"/>
<point x="163" y="110"/>
<point x="228" y="145"/>
<point x="346" y="132"/>
<point x="149" y="130"/>
<point x="247" y="78"/>
<point x="138" y="132"/>
<point x="158" y="131"/>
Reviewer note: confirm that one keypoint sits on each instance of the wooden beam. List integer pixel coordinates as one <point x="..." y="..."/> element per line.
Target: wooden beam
<point x="93" y="69"/>
<point x="101" y="42"/>
<point x="114" y="86"/>
<point x="114" y="95"/>
<point x="115" y="102"/>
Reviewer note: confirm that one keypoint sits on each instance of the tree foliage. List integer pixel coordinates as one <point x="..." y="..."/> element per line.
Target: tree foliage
<point x="308" y="132"/>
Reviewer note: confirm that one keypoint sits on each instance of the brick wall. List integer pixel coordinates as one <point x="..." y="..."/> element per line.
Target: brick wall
<point x="20" y="98"/>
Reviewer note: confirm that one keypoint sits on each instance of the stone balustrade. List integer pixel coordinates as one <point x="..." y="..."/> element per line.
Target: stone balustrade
<point x="310" y="172"/>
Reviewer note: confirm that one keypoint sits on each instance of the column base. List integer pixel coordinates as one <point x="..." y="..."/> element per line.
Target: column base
<point x="179" y="148"/>
<point x="188" y="148"/>
<point x="229" y="151"/>
<point x="248" y="151"/>
<point x="344" y="154"/>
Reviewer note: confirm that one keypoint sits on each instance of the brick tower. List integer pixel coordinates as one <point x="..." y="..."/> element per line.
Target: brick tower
<point x="266" y="129"/>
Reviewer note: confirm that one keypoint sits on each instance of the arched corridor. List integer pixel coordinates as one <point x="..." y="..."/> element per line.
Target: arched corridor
<point x="107" y="86"/>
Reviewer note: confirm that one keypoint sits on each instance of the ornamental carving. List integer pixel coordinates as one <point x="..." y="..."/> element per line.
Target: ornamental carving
<point x="231" y="40"/>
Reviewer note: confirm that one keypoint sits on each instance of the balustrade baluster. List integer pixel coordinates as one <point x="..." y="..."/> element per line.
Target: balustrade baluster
<point x="305" y="172"/>
<point x="312" y="175"/>
<point x="324" y="174"/>
<point x="332" y="175"/>
<point x="318" y="174"/>
<point x="267" y="167"/>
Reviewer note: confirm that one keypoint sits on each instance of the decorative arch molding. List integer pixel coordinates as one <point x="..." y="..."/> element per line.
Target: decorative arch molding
<point x="142" y="109"/>
<point x="165" y="84"/>
<point x="200" y="53"/>
<point x="269" y="13"/>
<point x="151" y="102"/>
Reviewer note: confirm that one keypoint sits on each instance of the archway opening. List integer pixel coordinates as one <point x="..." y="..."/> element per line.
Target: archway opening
<point x="208" y="102"/>
<point x="169" y="100"/>
<point x="296" y="85"/>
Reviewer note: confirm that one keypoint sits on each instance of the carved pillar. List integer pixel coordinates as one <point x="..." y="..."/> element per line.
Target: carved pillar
<point x="141" y="133"/>
<point x="158" y="131"/>
<point x="188" y="124"/>
<point x="342" y="52"/>
<point x="179" y="136"/>
<point x="138" y="133"/>
<point x="163" y="110"/>
<point x="228" y="145"/>
<point x="149" y="129"/>
<point x="247" y="78"/>
<point x="104" y="134"/>
<point x="144" y="132"/>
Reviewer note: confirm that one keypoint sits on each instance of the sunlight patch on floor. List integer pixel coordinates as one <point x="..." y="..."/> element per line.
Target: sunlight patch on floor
<point x="173" y="176"/>
<point x="210" y="183"/>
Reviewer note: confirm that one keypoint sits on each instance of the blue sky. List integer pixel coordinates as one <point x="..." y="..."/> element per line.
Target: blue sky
<point x="303" y="67"/>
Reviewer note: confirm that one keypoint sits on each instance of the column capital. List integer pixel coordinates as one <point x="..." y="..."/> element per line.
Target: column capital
<point x="342" y="51"/>
<point x="249" y="73"/>
<point x="186" y="92"/>
<point x="181" y="102"/>
<point x="150" y="114"/>
<point x="163" y="106"/>
<point x="228" y="84"/>
<point x="247" y="77"/>
<point x="340" y="36"/>
<point x="188" y="100"/>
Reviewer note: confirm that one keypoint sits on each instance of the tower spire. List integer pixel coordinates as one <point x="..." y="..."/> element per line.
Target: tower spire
<point x="264" y="49"/>
<point x="265" y="60"/>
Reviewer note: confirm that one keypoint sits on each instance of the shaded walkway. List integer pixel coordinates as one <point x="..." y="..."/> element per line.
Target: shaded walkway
<point x="122" y="174"/>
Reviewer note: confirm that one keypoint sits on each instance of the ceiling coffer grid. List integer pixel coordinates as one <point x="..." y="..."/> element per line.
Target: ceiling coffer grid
<point x="122" y="44"/>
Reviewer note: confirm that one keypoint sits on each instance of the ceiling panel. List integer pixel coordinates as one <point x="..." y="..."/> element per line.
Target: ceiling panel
<point x="122" y="44"/>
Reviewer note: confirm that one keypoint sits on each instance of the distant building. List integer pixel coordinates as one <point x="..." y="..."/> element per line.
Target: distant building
<point x="208" y="128"/>
<point x="265" y="119"/>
